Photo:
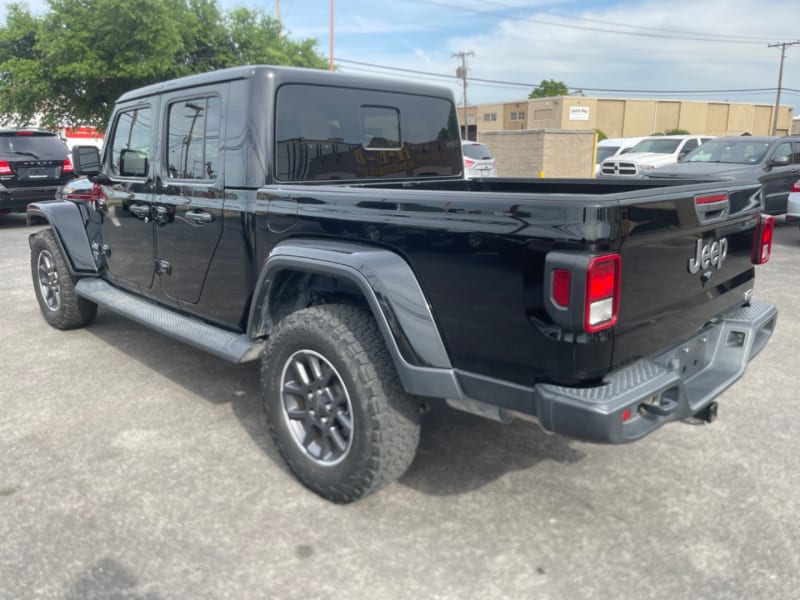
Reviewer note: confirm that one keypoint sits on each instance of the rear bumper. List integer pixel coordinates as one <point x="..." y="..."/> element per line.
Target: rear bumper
<point x="18" y="198"/>
<point x="670" y="386"/>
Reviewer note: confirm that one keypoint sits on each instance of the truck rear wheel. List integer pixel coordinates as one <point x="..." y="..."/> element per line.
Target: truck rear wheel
<point x="55" y="286"/>
<point x="334" y="404"/>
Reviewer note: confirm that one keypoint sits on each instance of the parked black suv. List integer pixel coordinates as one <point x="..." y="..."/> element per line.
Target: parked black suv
<point x="33" y="164"/>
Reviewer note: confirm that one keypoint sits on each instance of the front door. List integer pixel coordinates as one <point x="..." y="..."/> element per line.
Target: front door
<point x="782" y="175"/>
<point x="126" y="224"/>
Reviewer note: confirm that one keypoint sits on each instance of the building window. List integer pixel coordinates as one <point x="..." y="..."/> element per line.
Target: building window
<point x="518" y="116"/>
<point x="490" y="116"/>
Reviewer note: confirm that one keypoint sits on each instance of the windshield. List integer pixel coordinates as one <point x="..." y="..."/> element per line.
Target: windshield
<point x="739" y="152"/>
<point x="603" y="152"/>
<point x="659" y="146"/>
<point x="477" y="151"/>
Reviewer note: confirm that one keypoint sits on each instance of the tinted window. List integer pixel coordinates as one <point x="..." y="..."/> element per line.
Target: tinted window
<point x="657" y="146"/>
<point x="32" y="146"/>
<point x="193" y="140"/>
<point x="477" y="151"/>
<point x="340" y="133"/>
<point x="603" y="152"/>
<point x="130" y="144"/>
<point x="690" y="145"/>
<point x="784" y="150"/>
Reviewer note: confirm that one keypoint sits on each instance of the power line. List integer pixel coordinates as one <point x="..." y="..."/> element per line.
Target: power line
<point x="536" y="85"/>
<point x="596" y="29"/>
<point x="709" y="36"/>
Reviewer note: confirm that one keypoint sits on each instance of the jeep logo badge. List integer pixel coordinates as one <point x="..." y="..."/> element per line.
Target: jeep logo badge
<point x="708" y="255"/>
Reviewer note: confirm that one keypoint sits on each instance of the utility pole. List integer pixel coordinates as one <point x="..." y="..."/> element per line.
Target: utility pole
<point x="278" y="10"/>
<point x="330" y="65"/>
<point x="461" y="72"/>
<point x="782" y="46"/>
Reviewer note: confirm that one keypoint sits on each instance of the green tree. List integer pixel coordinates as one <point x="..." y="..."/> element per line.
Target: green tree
<point x="73" y="74"/>
<point x="550" y="88"/>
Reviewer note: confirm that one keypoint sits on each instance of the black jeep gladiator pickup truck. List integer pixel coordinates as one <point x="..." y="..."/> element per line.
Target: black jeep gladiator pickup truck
<point x="321" y="223"/>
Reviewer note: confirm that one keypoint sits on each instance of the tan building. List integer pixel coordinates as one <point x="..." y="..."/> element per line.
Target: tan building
<point x="618" y="117"/>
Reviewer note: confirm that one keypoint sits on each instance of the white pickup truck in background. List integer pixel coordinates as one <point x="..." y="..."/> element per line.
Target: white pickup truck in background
<point x="650" y="153"/>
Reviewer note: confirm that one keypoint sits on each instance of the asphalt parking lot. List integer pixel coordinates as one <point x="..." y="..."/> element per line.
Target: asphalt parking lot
<point x="134" y="467"/>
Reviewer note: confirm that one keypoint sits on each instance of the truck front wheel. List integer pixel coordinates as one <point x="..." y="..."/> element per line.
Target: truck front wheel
<point x="334" y="404"/>
<point x="55" y="286"/>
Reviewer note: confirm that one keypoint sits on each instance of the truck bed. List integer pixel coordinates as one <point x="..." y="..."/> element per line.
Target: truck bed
<point x="479" y="247"/>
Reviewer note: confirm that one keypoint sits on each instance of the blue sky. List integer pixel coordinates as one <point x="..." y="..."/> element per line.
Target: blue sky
<point x="671" y="46"/>
<point x="691" y="49"/>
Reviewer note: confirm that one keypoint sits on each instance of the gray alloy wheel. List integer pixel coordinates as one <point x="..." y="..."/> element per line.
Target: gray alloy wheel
<point x="334" y="404"/>
<point x="54" y="285"/>
<point x="49" y="281"/>
<point x="317" y="408"/>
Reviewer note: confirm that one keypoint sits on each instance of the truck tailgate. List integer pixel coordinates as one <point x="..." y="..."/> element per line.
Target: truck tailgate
<point x="686" y="257"/>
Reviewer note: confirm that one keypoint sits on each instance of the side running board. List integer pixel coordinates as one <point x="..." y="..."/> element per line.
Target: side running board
<point x="231" y="346"/>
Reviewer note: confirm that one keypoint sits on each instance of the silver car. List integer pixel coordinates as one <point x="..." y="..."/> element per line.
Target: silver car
<point x="793" y="204"/>
<point x="478" y="161"/>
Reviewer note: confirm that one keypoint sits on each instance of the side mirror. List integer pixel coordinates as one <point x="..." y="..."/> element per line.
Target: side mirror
<point x="86" y="160"/>
<point x="779" y="161"/>
<point x="133" y="163"/>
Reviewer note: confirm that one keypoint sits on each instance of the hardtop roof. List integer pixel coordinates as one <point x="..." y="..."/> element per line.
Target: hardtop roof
<point x="284" y="75"/>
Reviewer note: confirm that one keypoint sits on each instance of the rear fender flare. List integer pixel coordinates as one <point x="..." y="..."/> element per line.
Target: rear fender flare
<point x="393" y="295"/>
<point x="68" y="221"/>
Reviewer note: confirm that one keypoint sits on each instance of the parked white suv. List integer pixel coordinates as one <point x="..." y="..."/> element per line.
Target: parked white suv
<point x="612" y="147"/>
<point x="651" y="153"/>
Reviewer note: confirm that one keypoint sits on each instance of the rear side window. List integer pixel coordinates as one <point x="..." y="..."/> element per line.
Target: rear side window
<point x="32" y="145"/>
<point x="130" y="143"/>
<point x="193" y="140"/>
<point x="342" y="133"/>
<point x="477" y="151"/>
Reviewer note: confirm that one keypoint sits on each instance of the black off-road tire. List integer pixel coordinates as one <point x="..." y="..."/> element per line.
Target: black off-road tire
<point x="55" y="286"/>
<point x="340" y="343"/>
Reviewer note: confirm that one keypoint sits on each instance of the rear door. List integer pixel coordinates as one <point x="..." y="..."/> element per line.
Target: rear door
<point x="686" y="257"/>
<point x="188" y="195"/>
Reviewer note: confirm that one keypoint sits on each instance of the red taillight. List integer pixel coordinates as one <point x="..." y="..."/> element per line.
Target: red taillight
<point x="561" y="285"/>
<point x="796" y="186"/>
<point x="67" y="168"/>
<point x="468" y="162"/>
<point x="602" y="293"/>
<point x="762" y="240"/>
<point x="5" y="168"/>
<point x="24" y="133"/>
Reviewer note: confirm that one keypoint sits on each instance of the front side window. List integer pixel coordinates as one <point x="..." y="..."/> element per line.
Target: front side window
<point x="783" y="152"/>
<point x="341" y="133"/>
<point x="130" y="143"/>
<point x="690" y="145"/>
<point x="193" y="140"/>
